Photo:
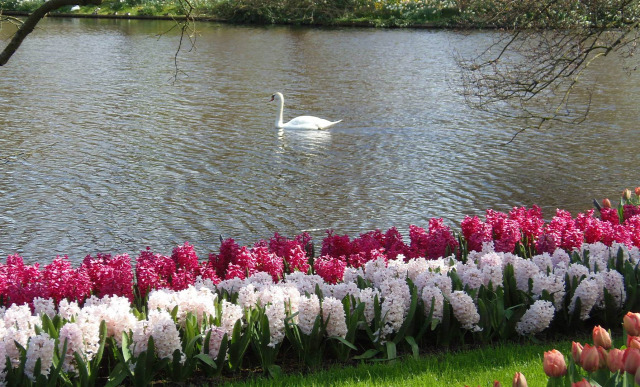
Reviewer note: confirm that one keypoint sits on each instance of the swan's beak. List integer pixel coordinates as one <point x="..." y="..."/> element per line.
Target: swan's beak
<point x="272" y="98"/>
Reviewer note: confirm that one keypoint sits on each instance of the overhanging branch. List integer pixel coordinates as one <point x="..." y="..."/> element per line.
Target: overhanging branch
<point x="30" y="24"/>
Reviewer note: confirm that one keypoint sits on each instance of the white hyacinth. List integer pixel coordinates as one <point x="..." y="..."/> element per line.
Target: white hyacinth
<point x="71" y="333"/>
<point x="215" y="341"/>
<point x="39" y="347"/>
<point x="433" y="296"/>
<point x="200" y="303"/>
<point x="276" y="314"/>
<point x="115" y="311"/>
<point x="247" y="297"/>
<point x="524" y="270"/>
<point x="396" y="299"/>
<point x="44" y="306"/>
<point x="464" y="310"/>
<point x="536" y="319"/>
<point x="614" y="283"/>
<point x="544" y="262"/>
<point x="560" y="258"/>
<point x="308" y="311"/>
<point x="166" y="337"/>
<point x="230" y="315"/>
<point x="589" y="291"/>
<point x="340" y="290"/>
<point x="553" y="284"/>
<point x="577" y="271"/>
<point x="304" y="282"/>
<point x="351" y="274"/>
<point x="334" y="317"/>
<point x="68" y="310"/>
<point x="368" y="296"/>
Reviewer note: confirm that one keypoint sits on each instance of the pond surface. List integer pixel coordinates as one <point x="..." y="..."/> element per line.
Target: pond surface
<point x="102" y="150"/>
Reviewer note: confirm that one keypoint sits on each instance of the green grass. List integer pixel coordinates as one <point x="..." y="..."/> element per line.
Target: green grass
<point x="475" y="367"/>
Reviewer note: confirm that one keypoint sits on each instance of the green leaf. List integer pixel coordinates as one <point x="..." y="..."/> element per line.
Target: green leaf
<point x="206" y="359"/>
<point x="391" y="350"/>
<point x="367" y="355"/>
<point x="344" y="341"/>
<point x="119" y="373"/>
<point x="414" y="346"/>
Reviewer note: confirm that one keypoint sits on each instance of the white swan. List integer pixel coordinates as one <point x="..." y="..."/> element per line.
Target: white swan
<point x="302" y="122"/>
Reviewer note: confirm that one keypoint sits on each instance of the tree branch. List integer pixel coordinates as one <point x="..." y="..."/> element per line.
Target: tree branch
<point x="32" y="20"/>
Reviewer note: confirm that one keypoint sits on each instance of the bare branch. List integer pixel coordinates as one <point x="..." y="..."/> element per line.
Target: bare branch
<point x="32" y="20"/>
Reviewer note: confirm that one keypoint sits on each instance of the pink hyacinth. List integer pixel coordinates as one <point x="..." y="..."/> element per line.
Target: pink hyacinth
<point x="633" y="226"/>
<point x="336" y="245"/>
<point x="153" y="271"/>
<point x="62" y="281"/>
<point x="185" y="257"/>
<point x="530" y="221"/>
<point x="291" y="251"/>
<point x="564" y="231"/>
<point x="609" y="215"/>
<point x="330" y="269"/>
<point x="437" y="242"/>
<point x="228" y="251"/>
<point x="269" y="263"/>
<point x="629" y="210"/>
<point x="110" y="276"/>
<point x="21" y="283"/>
<point x="475" y="232"/>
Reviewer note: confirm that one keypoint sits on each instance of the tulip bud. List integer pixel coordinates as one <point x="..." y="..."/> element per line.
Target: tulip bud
<point x="626" y="194"/>
<point x="519" y="380"/>
<point x="615" y="360"/>
<point x="633" y="342"/>
<point x="601" y="337"/>
<point x="631" y="360"/>
<point x="637" y="191"/>
<point x="606" y="203"/>
<point x="553" y="364"/>
<point x="631" y="323"/>
<point x="583" y="383"/>
<point x="576" y="352"/>
<point x="496" y="383"/>
<point x="590" y="358"/>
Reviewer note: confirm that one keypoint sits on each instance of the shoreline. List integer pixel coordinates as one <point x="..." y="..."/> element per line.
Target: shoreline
<point x="212" y="19"/>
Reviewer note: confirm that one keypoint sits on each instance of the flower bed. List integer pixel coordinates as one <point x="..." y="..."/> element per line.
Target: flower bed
<point x="372" y="297"/>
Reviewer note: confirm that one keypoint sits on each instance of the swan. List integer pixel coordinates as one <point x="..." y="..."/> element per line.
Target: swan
<point x="302" y="122"/>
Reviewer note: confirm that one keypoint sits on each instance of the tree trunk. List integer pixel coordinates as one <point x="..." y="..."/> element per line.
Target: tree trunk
<point x="30" y="23"/>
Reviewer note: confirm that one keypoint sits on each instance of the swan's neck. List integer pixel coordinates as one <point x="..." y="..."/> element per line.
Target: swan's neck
<point x="279" y="123"/>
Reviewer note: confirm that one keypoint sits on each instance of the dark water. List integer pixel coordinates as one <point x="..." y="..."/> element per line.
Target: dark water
<point x="102" y="151"/>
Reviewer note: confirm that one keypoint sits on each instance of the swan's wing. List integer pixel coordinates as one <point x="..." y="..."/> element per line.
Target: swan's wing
<point x="310" y="122"/>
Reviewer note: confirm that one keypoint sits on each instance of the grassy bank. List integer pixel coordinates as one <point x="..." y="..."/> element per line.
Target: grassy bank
<point x="387" y="13"/>
<point x="473" y="367"/>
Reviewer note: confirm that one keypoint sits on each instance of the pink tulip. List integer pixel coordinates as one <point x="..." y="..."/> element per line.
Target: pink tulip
<point x="601" y="337"/>
<point x="631" y="323"/>
<point x="633" y="342"/>
<point x="582" y="383"/>
<point x="590" y="358"/>
<point x="553" y="364"/>
<point x="519" y="380"/>
<point x="576" y="352"/>
<point x="637" y="191"/>
<point x="631" y="360"/>
<point x="615" y="360"/>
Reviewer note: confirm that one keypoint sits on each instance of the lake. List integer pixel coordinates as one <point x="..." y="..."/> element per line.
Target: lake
<point x="106" y="147"/>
